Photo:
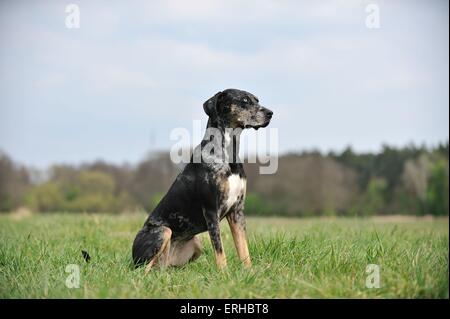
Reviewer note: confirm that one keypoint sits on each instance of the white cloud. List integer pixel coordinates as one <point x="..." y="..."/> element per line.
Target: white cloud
<point x="314" y="62"/>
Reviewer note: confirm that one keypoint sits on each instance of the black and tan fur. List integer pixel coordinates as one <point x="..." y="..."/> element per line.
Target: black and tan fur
<point x="212" y="186"/>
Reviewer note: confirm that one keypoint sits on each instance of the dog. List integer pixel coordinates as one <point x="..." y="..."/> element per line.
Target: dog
<point x="206" y="191"/>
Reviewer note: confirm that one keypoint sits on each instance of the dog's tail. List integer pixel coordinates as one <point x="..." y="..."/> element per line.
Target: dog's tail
<point x="86" y="256"/>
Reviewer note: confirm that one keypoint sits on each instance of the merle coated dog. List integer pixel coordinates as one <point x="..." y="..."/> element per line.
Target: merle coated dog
<point x="207" y="190"/>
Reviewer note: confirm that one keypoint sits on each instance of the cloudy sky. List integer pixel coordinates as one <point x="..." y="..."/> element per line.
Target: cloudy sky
<point x="115" y="88"/>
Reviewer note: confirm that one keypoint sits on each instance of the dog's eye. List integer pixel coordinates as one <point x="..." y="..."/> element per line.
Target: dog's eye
<point x="245" y="100"/>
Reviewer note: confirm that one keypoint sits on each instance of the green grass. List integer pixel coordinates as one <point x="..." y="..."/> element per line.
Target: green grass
<point x="292" y="258"/>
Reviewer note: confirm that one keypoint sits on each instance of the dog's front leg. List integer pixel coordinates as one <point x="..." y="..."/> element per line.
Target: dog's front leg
<point x="236" y="220"/>
<point x="212" y="222"/>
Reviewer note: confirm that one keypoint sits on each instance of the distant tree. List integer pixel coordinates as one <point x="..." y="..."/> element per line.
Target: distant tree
<point x="409" y="180"/>
<point x="14" y="183"/>
<point x="79" y="191"/>
<point x="152" y="176"/>
<point x="443" y="149"/>
<point x="373" y="202"/>
<point x="46" y="197"/>
<point x="308" y="184"/>
<point x="438" y="191"/>
<point x="415" y="182"/>
<point x="122" y="175"/>
<point x="363" y="164"/>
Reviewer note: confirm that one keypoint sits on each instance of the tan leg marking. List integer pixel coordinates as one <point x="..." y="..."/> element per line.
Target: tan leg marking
<point x="240" y="241"/>
<point x="162" y="257"/>
<point x="221" y="259"/>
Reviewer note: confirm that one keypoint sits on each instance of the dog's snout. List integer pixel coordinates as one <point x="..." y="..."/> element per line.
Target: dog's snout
<point x="268" y="112"/>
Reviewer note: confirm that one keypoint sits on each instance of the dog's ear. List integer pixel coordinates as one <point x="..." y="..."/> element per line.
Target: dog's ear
<point x="210" y="106"/>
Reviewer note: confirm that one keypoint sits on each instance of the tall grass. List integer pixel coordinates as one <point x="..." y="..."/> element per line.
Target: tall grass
<point x="292" y="258"/>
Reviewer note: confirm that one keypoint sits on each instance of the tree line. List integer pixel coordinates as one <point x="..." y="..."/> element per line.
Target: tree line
<point x="408" y="180"/>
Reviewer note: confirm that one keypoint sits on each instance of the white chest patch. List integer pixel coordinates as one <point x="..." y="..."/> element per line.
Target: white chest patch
<point x="236" y="187"/>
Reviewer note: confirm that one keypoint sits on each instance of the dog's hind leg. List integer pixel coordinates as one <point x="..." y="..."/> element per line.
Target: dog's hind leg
<point x="164" y="256"/>
<point x="152" y="246"/>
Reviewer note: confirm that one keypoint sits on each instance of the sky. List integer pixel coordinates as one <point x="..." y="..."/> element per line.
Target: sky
<point x="115" y="88"/>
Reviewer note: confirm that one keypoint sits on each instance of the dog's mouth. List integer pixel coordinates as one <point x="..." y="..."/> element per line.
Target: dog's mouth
<point x="256" y="127"/>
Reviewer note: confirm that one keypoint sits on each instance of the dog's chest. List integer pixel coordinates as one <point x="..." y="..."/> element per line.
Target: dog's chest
<point x="234" y="190"/>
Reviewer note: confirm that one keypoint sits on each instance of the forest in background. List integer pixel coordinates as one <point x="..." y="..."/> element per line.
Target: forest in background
<point x="410" y="180"/>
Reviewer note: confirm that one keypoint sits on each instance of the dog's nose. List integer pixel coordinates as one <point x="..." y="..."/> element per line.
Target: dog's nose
<point x="269" y="113"/>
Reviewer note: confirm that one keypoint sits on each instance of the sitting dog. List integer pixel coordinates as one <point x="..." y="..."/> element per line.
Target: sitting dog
<point x="212" y="186"/>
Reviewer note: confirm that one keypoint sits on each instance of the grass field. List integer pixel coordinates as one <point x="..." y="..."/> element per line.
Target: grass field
<point x="293" y="258"/>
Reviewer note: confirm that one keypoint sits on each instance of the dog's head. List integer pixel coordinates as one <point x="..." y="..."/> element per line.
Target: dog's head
<point x="237" y="109"/>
